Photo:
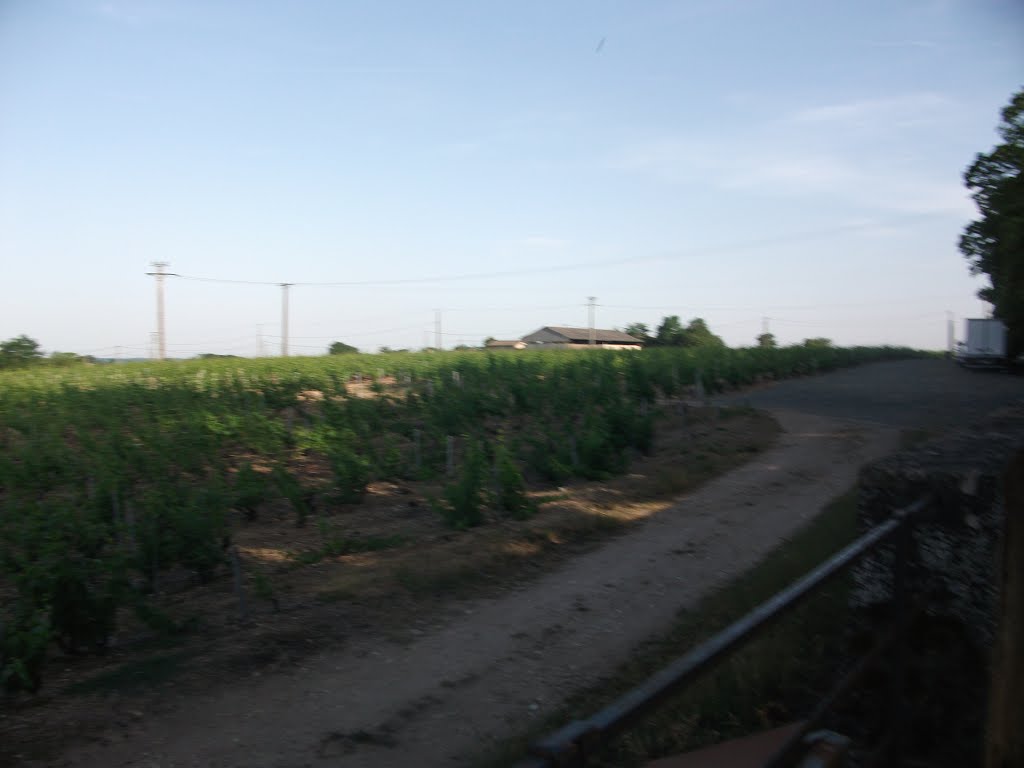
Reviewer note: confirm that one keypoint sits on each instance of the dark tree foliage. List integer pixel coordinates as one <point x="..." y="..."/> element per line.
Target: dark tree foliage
<point x="340" y="348"/>
<point x="639" y="331"/>
<point x="994" y="243"/>
<point x="672" y="333"/>
<point x="819" y="342"/>
<point x="19" y="351"/>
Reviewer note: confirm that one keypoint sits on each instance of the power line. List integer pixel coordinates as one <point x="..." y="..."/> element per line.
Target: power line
<point x="792" y="307"/>
<point x="788" y="239"/>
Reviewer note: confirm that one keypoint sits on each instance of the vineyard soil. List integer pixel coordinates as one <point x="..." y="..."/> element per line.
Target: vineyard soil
<point x="375" y="634"/>
<point x="464" y="673"/>
<point x="387" y="568"/>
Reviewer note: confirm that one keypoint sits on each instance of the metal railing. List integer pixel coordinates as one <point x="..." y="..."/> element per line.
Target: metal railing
<point x="574" y="743"/>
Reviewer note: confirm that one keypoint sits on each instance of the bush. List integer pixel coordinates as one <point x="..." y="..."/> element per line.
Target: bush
<point x="23" y="652"/>
<point x="463" y="499"/>
<point x="510" y="492"/>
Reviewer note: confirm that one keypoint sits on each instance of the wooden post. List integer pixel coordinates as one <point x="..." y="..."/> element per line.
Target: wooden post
<point x="1005" y="739"/>
<point x="236" y="572"/>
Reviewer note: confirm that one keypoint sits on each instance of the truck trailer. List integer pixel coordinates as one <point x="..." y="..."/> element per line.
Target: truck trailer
<point x="984" y="344"/>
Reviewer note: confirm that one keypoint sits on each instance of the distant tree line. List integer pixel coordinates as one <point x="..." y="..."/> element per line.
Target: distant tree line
<point x="672" y="333"/>
<point x="23" y="351"/>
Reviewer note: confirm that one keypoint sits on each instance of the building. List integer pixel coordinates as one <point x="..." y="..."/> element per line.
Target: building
<point x="561" y="337"/>
<point x="499" y="344"/>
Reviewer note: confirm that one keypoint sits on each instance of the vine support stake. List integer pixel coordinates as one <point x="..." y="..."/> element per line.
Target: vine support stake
<point x="236" y="572"/>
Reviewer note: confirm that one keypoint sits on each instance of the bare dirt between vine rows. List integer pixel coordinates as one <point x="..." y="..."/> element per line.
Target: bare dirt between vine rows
<point x="485" y="667"/>
<point x="458" y="687"/>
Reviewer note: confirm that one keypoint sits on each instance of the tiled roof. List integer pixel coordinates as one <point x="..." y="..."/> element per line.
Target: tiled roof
<point x="582" y="335"/>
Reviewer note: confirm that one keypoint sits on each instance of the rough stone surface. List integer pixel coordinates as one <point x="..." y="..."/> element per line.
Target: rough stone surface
<point x="953" y="576"/>
<point x="956" y="544"/>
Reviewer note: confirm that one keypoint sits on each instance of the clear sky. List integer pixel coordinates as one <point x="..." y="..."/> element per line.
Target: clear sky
<point x="727" y="159"/>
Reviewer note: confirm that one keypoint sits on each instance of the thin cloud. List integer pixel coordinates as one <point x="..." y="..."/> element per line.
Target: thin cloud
<point x="544" y="242"/>
<point x="130" y="13"/>
<point x="771" y="167"/>
<point x="901" y="44"/>
<point x="884" y="111"/>
<point x="800" y="174"/>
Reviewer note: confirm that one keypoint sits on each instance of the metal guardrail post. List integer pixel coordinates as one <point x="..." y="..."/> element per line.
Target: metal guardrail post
<point x="903" y="553"/>
<point x="575" y="742"/>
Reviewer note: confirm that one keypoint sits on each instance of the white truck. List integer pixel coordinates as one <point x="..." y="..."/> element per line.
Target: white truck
<point x="984" y="345"/>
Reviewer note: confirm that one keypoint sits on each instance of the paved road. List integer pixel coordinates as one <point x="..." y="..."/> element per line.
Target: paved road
<point x="930" y="394"/>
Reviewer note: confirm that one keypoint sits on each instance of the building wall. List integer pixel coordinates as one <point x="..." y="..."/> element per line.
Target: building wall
<point x="587" y="346"/>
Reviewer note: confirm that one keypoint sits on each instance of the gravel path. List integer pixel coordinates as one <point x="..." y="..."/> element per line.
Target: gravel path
<point x="491" y="665"/>
<point x="929" y="394"/>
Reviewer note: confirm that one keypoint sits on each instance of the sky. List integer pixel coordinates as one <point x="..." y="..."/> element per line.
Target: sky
<point x="793" y="166"/>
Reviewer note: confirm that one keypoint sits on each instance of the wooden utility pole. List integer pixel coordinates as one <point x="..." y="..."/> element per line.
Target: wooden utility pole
<point x="1005" y="738"/>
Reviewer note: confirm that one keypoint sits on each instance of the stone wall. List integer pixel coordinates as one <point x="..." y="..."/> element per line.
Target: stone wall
<point x="954" y="576"/>
<point x="956" y="546"/>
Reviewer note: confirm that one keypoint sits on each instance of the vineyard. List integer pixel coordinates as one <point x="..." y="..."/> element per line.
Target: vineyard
<point x="117" y="481"/>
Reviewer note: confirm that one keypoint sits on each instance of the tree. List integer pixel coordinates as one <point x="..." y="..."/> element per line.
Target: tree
<point x="994" y="244"/>
<point x="19" y="351"/>
<point x="767" y="340"/>
<point x="818" y="343"/>
<point x="698" y="334"/>
<point x="339" y="348"/>
<point x="639" y="331"/>
<point x="671" y="333"/>
<point x="69" y="358"/>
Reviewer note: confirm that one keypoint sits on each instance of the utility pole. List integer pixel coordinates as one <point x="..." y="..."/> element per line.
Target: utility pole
<point x="159" y="274"/>
<point x="593" y="332"/>
<point x="437" y="330"/>
<point x="284" y="318"/>
<point x="949" y="332"/>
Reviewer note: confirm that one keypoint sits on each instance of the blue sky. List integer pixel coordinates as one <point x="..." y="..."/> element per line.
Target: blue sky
<point x="732" y="160"/>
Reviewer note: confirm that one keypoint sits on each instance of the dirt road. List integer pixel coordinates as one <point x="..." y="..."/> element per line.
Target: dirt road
<point x="487" y="666"/>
